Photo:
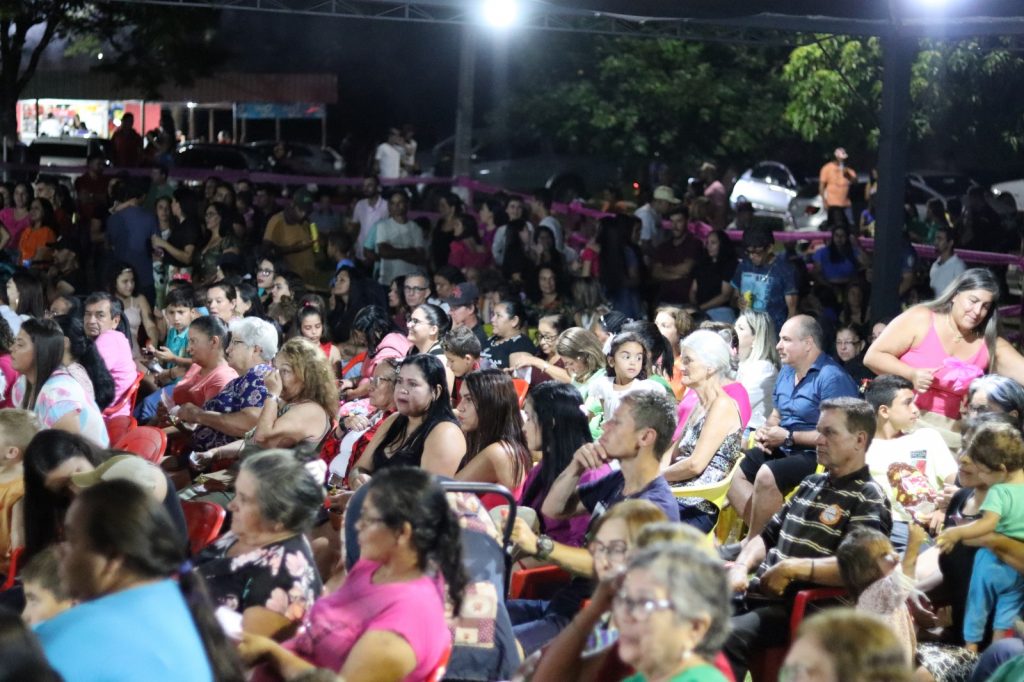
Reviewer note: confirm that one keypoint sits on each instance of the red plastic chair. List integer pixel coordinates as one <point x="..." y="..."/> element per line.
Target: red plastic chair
<point x="204" y="521"/>
<point x="128" y="398"/>
<point x="437" y="674"/>
<point x="117" y="427"/>
<point x="537" y="583"/>
<point x="12" y="569"/>
<point x="765" y="666"/>
<point x="522" y="387"/>
<point x="148" y="442"/>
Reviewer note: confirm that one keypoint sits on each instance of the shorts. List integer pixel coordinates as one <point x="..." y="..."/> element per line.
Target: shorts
<point x="789" y="470"/>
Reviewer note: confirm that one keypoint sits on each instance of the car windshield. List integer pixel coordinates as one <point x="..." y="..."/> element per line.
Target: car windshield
<point x="948" y="185"/>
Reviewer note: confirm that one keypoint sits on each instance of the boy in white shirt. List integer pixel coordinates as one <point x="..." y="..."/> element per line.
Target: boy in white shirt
<point x="912" y="464"/>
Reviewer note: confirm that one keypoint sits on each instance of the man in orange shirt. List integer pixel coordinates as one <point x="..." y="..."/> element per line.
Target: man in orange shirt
<point x="834" y="187"/>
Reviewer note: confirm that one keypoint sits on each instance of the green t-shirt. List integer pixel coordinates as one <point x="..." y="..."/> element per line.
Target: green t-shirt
<point x="1007" y="500"/>
<point x="700" y="673"/>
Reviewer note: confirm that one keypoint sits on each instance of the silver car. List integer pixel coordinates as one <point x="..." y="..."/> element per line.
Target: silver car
<point x="769" y="186"/>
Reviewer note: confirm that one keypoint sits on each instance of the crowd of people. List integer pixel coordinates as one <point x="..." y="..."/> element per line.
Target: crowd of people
<point x="323" y="373"/>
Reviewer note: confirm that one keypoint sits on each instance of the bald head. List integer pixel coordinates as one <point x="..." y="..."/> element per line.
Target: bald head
<point x="800" y="342"/>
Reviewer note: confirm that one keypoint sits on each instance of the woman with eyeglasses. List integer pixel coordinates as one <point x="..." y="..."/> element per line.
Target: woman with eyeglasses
<point x="265" y="273"/>
<point x="424" y="432"/>
<point x="392" y="603"/>
<point x="546" y="364"/>
<point x="219" y="239"/>
<point x="995" y="393"/>
<point x="356" y="431"/>
<point x="850" y="348"/>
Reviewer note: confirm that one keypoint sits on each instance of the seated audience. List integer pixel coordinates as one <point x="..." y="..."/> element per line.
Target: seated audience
<point x="83" y="362"/>
<point x="910" y="462"/>
<point x="210" y="371"/>
<point x="995" y="393"/>
<point x="105" y="326"/>
<point x="228" y="415"/>
<point x="759" y="363"/>
<point x="299" y="406"/>
<point x="496" y="449"/>
<point x="392" y="601"/>
<point x="842" y="644"/>
<point x="796" y="548"/>
<point x="710" y="443"/>
<point x="17" y="428"/>
<point x="383" y="341"/>
<point x="263" y="566"/>
<point x="357" y="430"/>
<point x="628" y="362"/>
<point x="45" y="593"/>
<point x="121" y="556"/>
<point x="462" y="356"/>
<point x="546" y="365"/>
<point x="46" y="387"/>
<point x="510" y="326"/>
<point x="309" y="324"/>
<point x="423" y="432"/>
<point x="850" y="349"/>
<point x="783" y="454"/>
<point x="556" y="428"/>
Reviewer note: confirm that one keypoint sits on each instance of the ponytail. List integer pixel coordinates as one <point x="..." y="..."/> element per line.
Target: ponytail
<point x="447" y="556"/>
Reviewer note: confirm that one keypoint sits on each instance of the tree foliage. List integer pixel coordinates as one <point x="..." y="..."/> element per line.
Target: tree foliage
<point x="964" y="95"/>
<point x="145" y="46"/>
<point x="641" y="98"/>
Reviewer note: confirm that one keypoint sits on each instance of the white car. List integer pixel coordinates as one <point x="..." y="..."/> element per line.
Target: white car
<point x="1015" y="188"/>
<point x="769" y="186"/>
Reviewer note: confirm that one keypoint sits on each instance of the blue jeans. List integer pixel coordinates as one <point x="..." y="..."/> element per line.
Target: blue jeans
<point x="1000" y="652"/>
<point x="994" y="585"/>
<point x="146" y="410"/>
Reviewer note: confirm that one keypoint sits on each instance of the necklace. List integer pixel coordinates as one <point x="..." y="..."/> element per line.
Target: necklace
<point x="957" y="336"/>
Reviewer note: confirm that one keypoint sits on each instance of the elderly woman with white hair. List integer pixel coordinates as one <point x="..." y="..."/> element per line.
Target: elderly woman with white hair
<point x="712" y="435"/>
<point x="996" y="393"/>
<point x="227" y="416"/>
<point x="672" y="612"/>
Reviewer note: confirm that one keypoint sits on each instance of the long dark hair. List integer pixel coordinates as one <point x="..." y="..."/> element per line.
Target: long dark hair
<point x="44" y="510"/>
<point x="251" y="295"/>
<point x="374" y="322"/>
<point x="515" y="308"/>
<point x="516" y="258"/>
<point x="48" y="345"/>
<point x="122" y="521"/>
<point x="30" y="294"/>
<point x="660" y="348"/>
<point x="837" y="254"/>
<point x="437" y="317"/>
<point x="361" y="293"/>
<point x="440" y="409"/>
<point x="84" y="352"/>
<point x="498" y="419"/>
<point x="305" y="311"/>
<point x="189" y="203"/>
<point x="563" y="429"/>
<point x="409" y="495"/>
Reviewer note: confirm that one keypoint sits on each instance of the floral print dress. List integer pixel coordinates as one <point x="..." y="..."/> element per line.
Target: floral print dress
<point x="281" y="576"/>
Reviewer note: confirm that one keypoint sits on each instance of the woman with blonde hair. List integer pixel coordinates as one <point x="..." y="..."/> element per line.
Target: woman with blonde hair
<point x="583" y="356"/>
<point x="843" y="645"/>
<point x="301" y="401"/>
<point x="759" y="362"/>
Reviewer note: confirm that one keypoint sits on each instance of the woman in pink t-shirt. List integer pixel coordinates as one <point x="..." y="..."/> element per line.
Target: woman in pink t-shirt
<point x="210" y="371"/>
<point x="15" y="218"/>
<point x="388" y="617"/>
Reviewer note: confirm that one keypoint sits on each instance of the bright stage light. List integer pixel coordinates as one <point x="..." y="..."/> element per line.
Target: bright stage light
<point x="500" y="13"/>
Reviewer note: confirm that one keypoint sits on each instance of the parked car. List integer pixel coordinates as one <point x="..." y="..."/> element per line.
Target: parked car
<point x="302" y="159"/>
<point x="206" y="156"/>
<point x="807" y="213"/>
<point x="524" y="164"/>
<point x="769" y="186"/>
<point x="67" y="151"/>
<point x="1015" y="188"/>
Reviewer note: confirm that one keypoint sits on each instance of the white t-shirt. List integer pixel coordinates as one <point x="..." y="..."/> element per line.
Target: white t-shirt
<point x="650" y="221"/>
<point x="942" y="275"/>
<point x="389" y="161"/>
<point x="758" y="377"/>
<point x="498" y="246"/>
<point x="407" y="236"/>
<point x="924" y="450"/>
<point x="602" y="390"/>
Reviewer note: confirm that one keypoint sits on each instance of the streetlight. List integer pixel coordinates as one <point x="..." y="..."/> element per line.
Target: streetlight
<point x="500" y="13"/>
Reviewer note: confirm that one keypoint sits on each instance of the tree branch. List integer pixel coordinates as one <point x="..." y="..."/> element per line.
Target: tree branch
<point x="52" y="22"/>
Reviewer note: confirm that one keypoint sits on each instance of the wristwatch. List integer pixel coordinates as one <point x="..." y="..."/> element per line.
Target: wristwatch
<point x="545" y="546"/>
<point x="788" y="443"/>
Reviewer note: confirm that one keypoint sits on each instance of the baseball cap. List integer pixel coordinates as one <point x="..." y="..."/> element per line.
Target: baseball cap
<point x="464" y="293"/>
<point x="665" y="193"/>
<point x="132" y="468"/>
<point x="303" y="199"/>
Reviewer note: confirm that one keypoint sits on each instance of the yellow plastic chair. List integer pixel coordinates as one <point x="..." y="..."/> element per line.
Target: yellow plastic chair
<point x="715" y="493"/>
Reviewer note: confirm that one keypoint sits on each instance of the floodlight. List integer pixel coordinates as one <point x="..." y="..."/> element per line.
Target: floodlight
<point x="500" y="13"/>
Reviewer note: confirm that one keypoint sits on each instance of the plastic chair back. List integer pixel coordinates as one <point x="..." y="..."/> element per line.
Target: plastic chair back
<point x="128" y="398"/>
<point x="437" y="674"/>
<point x="12" y="568"/>
<point x="522" y="387"/>
<point x="117" y="427"/>
<point x="147" y="442"/>
<point x="714" y="492"/>
<point x="204" y="521"/>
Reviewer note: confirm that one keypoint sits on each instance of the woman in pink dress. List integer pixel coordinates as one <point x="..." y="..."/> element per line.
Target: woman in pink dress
<point x="14" y="219"/>
<point x="943" y="345"/>
<point x="466" y="250"/>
